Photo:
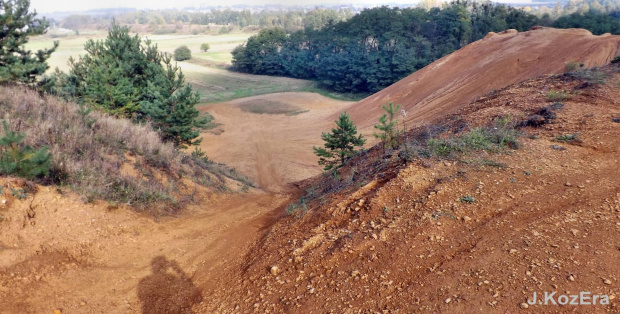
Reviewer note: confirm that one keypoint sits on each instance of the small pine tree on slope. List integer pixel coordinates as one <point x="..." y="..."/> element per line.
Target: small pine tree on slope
<point x="22" y="161"/>
<point x="339" y="144"/>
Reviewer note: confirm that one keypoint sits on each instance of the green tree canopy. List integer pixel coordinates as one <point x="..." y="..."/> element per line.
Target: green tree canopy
<point x="16" y="24"/>
<point x="123" y="76"/>
<point x="205" y="47"/>
<point x="182" y="53"/>
<point x="339" y="144"/>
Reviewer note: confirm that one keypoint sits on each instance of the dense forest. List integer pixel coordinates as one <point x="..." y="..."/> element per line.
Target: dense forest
<point x="380" y="46"/>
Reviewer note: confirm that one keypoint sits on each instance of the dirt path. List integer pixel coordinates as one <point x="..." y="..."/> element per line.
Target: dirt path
<point x="87" y="259"/>
<point x="58" y="253"/>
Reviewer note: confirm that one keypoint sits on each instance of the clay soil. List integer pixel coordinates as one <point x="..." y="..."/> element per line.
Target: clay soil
<point x="547" y="221"/>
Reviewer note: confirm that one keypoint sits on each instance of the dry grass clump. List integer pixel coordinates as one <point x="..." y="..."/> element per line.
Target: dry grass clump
<point x="92" y="151"/>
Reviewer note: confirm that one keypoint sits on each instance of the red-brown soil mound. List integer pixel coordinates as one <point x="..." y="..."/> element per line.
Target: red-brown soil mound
<point x="489" y="64"/>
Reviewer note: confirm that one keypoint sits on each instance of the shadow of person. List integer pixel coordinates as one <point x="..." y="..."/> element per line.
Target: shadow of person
<point x="168" y="289"/>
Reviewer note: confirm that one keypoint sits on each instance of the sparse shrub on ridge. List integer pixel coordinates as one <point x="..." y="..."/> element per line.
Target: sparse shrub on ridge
<point x="387" y="126"/>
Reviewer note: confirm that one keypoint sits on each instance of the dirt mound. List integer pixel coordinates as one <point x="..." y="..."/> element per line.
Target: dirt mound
<point x="481" y="232"/>
<point x="486" y="65"/>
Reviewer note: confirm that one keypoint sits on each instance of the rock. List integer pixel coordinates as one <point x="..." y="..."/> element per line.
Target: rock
<point x="274" y="270"/>
<point x="512" y="251"/>
<point x="571" y="278"/>
<point x="355" y="273"/>
<point x="524" y="305"/>
<point x="57" y="311"/>
<point x="575" y="232"/>
<point x="311" y="290"/>
<point x="567" y="184"/>
<point x="466" y="218"/>
<point x="374" y="236"/>
<point x="82" y="303"/>
<point x="607" y="281"/>
<point x="448" y="300"/>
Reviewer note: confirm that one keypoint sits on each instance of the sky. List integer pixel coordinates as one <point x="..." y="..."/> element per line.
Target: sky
<point x="50" y="6"/>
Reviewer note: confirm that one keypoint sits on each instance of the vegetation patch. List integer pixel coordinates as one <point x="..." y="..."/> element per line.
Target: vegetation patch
<point x="264" y="106"/>
<point x="422" y="143"/>
<point x="553" y="95"/>
<point x="569" y="138"/>
<point x="88" y="149"/>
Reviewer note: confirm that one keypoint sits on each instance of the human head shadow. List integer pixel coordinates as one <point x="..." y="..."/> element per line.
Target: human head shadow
<point x="168" y="289"/>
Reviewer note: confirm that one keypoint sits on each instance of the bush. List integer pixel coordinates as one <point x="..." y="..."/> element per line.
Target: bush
<point x="205" y="47"/>
<point x="182" y="53"/>
<point x="557" y="95"/>
<point x="19" y="160"/>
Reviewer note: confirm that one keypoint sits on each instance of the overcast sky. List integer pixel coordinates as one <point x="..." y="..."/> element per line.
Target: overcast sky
<point x="48" y="6"/>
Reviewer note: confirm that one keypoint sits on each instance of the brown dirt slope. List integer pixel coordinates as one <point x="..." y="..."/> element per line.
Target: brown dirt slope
<point x="544" y="217"/>
<point x="489" y="64"/>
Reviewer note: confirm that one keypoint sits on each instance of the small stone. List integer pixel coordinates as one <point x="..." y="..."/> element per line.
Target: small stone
<point x="57" y="311"/>
<point x="571" y="278"/>
<point x="37" y="277"/>
<point x="466" y="218"/>
<point x="274" y="270"/>
<point x="607" y="281"/>
<point x="567" y="184"/>
<point x="524" y="305"/>
<point x="512" y="251"/>
<point x="575" y="232"/>
<point x="448" y="300"/>
<point x="82" y="303"/>
<point x="311" y="290"/>
<point x="355" y="273"/>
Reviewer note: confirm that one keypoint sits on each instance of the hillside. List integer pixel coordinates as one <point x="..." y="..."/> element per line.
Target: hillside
<point x="476" y="231"/>
<point x="484" y="66"/>
<point x="487" y="200"/>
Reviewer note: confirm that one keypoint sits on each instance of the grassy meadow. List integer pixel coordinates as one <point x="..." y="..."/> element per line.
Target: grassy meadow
<point x="206" y="71"/>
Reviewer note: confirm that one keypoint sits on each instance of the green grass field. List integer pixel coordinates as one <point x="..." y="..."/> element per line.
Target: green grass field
<point x="205" y="71"/>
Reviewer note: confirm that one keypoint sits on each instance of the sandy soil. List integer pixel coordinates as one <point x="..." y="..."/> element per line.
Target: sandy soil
<point x="273" y="149"/>
<point x="548" y="220"/>
<point x="58" y="253"/>
<point x="533" y="233"/>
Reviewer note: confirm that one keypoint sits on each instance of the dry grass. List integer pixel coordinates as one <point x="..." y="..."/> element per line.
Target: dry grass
<point x="92" y="152"/>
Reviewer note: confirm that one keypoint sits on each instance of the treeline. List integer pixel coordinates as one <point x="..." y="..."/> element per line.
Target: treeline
<point x="596" y="22"/>
<point x="377" y="47"/>
<point x="289" y="20"/>
<point x="380" y="46"/>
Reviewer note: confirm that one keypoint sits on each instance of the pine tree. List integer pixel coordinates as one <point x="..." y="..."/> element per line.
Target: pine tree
<point x="129" y="78"/>
<point x="387" y="125"/>
<point x="170" y="105"/>
<point x="113" y="75"/>
<point x="22" y="161"/>
<point x="339" y="144"/>
<point x="16" y="63"/>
